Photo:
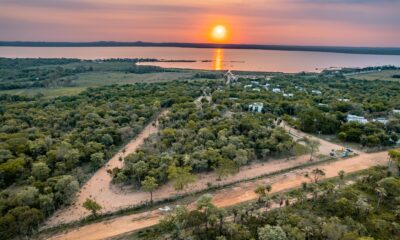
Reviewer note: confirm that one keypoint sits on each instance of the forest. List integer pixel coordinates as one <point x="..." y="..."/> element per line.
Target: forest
<point x="203" y="138"/>
<point x="50" y="147"/>
<point x="367" y="209"/>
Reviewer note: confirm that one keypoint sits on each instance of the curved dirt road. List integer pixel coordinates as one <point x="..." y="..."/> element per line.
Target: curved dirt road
<point x="238" y="193"/>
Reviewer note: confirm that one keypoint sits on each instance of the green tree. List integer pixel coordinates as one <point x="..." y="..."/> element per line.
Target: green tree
<point x="312" y="146"/>
<point x="260" y="191"/>
<point x="269" y="232"/>
<point x="28" y="219"/>
<point x="92" y="205"/>
<point x="180" y="177"/>
<point x="40" y="171"/>
<point x="225" y="168"/>
<point x="97" y="159"/>
<point x="65" y="189"/>
<point x="149" y="184"/>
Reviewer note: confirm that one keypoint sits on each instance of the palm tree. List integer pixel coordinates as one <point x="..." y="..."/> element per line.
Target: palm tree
<point x="381" y="192"/>
<point x="341" y="174"/>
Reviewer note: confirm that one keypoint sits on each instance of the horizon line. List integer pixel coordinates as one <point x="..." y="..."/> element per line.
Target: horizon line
<point x="312" y="48"/>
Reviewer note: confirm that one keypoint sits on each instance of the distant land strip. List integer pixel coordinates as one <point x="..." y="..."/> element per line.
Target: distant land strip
<point x="333" y="49"/>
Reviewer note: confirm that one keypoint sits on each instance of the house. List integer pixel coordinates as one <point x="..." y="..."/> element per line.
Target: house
<point x="381" y="120"/>
<point x="256" y="89"/>
<point x="288" y="95"/>
<point x="396" y="111"/>
<point x="276" y="90"/>
<point x="256" y="107"/>
<point x="355" y="118"/>
<point x="343" y="100"/>
<point x="247" y="86"/>
<point x="255" y="83"/>
<point x="318" y="92"/>
<point x="322" y="104"/>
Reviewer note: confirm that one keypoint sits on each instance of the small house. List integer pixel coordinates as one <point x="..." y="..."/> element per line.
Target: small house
<point x="355" y="118"/>
<point x="276" y="90"/>
<point x="381" y="120"/>
<point x="256" y="107"/>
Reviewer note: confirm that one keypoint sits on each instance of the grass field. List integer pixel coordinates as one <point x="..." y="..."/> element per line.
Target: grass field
<point x="383" y="75"/>
<point x="99" y="78"/>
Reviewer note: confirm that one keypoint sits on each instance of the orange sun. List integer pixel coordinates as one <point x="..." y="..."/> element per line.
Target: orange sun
<point x="219" y="33"/>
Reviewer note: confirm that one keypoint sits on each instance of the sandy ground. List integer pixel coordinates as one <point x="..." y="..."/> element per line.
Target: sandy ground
<point x="239" y="193"/>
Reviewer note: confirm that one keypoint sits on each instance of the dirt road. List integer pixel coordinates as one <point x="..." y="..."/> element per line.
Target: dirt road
<point x="112" y="198"/>
<point x="238" y="193"/>
<point x="99" y="186"/>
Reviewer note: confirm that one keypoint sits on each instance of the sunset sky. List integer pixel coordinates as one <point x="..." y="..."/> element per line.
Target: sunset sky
<point x="294" y="22"/>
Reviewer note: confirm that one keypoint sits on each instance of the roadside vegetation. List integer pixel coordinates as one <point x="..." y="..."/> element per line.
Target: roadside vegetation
<point x="368" y="208"/>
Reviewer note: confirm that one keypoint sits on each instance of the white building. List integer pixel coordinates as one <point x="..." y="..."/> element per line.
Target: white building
<point x="288" y="95"/>
<point x="256" y="107"/>
<point x="343" y="100"/>
<point x="355" y="118"/>
<point x="276" y="90"/>
<point x="381" y="120"/>
<point x="397" y="111"/>
<point x="318" y="92"/>
<point x="256" y="89"/>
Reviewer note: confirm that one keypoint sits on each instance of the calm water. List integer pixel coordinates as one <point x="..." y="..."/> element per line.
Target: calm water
<point x="213" y="59"/>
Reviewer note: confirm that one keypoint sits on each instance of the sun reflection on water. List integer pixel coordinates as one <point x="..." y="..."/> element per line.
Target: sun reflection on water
<point x="218" y="59"/>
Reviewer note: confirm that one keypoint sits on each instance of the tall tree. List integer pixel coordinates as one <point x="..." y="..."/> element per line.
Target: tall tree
<point x="180" y="177"/>
<point x="149" y="184"/>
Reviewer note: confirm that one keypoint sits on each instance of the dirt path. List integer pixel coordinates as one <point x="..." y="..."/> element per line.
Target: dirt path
<point x="112" y="198"/>
<point x="325" y="147"/>
<point x="99" y="186"/>
<point x="239" y="193"/>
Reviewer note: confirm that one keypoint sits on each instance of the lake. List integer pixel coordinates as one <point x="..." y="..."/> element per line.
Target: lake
<point x="213" y="59"/>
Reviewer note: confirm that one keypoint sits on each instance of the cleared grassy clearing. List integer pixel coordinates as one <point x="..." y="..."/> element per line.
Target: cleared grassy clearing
<point x="386" y="75"/>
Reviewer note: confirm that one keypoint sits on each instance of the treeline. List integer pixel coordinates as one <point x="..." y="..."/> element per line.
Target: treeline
<point x="48" y="148"/>
<point x="204" y="138"/>
<point x="367" y="209"/>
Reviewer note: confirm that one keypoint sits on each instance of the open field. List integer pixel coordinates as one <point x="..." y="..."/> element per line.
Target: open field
<point x="386" y="75"/>
<point x="96" y="79"/>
